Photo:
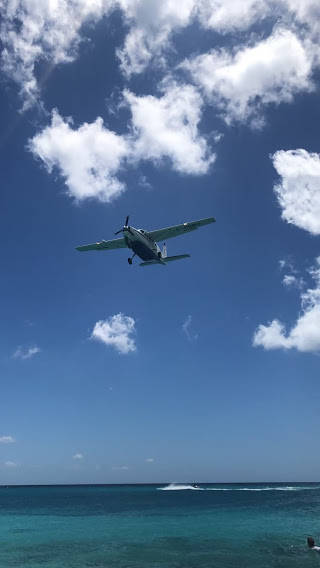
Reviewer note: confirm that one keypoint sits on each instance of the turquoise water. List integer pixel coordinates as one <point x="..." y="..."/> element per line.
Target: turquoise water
<point x="137" y="526"/>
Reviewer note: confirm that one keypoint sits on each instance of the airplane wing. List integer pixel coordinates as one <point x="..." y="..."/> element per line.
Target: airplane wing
<point x="104" y="245"/>
<point x="176" y="230"/>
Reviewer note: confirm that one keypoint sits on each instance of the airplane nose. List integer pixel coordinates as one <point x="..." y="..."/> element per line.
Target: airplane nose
<point x="127" y="231"/>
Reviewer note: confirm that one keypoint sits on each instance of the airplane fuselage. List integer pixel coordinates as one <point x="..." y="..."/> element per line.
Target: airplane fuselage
<point x="142" y="244"/>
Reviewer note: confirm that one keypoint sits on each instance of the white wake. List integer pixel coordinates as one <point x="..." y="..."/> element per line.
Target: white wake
<point x="183" y="487"/>
<point x="179" y="487"/>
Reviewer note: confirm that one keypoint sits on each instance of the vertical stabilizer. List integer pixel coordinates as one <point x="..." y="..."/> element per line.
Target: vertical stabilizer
<point x="164" y="251"/>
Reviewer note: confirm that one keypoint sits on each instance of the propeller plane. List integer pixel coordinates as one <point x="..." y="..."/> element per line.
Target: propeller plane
<point x="143" y="243"/>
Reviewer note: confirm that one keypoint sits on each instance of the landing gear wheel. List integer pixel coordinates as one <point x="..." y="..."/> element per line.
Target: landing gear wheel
<point x="130" y="260"/>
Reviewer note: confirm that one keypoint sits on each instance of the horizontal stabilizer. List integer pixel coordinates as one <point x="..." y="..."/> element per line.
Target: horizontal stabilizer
<point x="178" y="257"/>
<point x="165" y="260"/>
<point x="149" y="262"/>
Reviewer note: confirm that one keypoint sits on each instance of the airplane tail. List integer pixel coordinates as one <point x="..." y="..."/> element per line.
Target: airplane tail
<point x="165" y="259"/>
<point x="178" y="257"/>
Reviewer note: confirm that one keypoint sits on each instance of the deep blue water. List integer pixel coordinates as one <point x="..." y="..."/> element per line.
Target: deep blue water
<point x="137" y="526"/>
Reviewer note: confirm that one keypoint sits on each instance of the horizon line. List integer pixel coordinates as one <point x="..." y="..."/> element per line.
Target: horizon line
<point x="6" y="485"/>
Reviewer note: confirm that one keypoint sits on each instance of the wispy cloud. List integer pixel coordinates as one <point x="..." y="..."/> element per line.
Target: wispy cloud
<point x="291" y="279"/>
<point x="144" y="183"/>
<point x="78" y="456"/>
<point x="288" y="265"/>
<point x="43" y="30"/>
<point x="10" y="464"/>
<point x="116" y="331"/>
<point x="149" y="460"/>
<point x="7" y="440"/>
<point x="120" y="467"/>
<point x="186" y="328"/>
<point x="26" y="353"/>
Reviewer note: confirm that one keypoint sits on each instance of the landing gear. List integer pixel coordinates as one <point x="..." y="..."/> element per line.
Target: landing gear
<point x="130" y="259"/>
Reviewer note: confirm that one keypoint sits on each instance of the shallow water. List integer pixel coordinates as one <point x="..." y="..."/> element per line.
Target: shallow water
<point x="227" y="526"/>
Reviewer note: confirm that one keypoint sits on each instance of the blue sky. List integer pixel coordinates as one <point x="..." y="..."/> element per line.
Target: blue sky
<point x="208" y="369"/>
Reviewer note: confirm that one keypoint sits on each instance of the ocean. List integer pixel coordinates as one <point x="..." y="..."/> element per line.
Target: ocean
<point x="158" y="526"/>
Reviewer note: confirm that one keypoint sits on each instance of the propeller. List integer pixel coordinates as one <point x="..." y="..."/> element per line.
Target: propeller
<point x="125" y="225"/>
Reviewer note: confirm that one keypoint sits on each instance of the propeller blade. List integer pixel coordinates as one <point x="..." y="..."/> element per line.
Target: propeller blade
<point x="126" y="224"/>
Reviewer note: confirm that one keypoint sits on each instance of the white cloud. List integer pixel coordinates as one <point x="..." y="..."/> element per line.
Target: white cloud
<point x="26" y="353"/>
<point x="116" y="331"/>
<point x="88" y="158"/>
<point x="306" y="12"/>
<point x="305" y="333"/>
<point x="167" y="127"/>
<point x="78" y="456"/>
<point x="152" y="22"/>
<point x="271" y="336"/>
<point x="227" y="16"/>
<point x="91" y="157"/>
<point x="7" y="440"/>
<point x="149" y="460"/>
<point x="50" y="29"/>
<point x="120" y="467"/>
<point x="10" y="464"/>
<point x="298" y="192"/>
<point x="230" y="15"/>
<point x="271" y="71"/>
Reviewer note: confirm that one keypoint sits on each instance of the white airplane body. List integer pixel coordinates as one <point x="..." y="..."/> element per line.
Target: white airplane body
<point x="143" y="243"/>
